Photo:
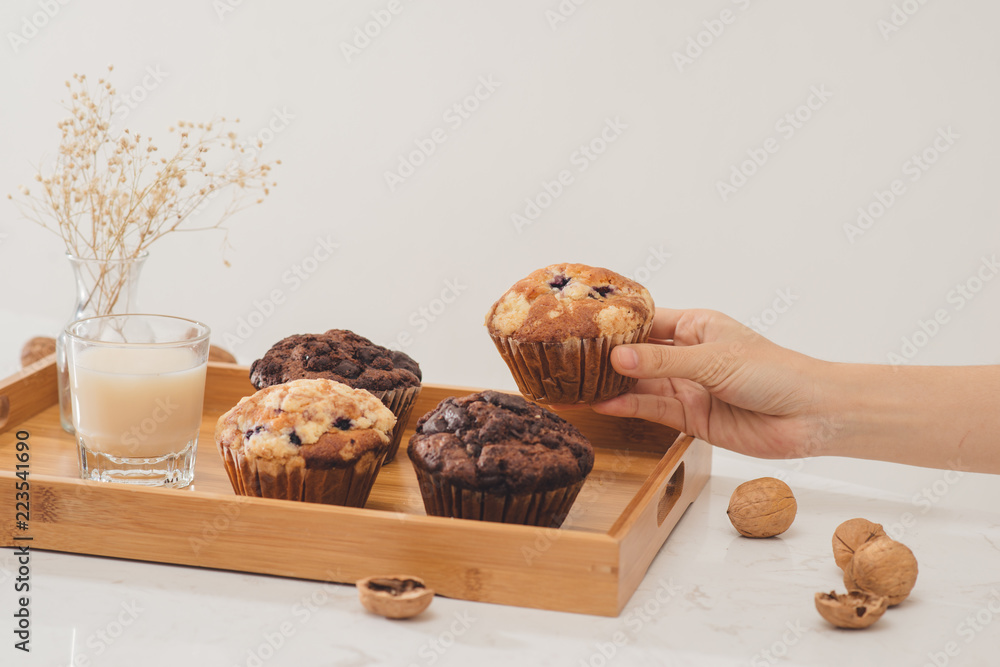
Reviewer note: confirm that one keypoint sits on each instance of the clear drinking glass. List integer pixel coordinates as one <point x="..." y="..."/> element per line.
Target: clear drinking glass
<point x="137" y="384"/>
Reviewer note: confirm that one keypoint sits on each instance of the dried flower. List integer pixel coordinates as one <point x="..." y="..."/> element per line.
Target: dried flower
<point x="108" y="197"/>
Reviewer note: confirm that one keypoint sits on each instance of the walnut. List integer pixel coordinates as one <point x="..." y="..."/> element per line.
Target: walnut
<point x="850" y="535"/>
<point x="37" y="348"/>
<point x="855" y="609"/>
<point x="883" y="567"/>
<point x="762" y="507"/>
<point x="396" y="596"/>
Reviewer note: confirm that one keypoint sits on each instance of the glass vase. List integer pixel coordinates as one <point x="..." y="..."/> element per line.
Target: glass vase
<point x="103" y="287"/>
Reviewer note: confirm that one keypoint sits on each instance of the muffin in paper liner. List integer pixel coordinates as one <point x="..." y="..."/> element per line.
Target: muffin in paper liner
<point x="491" y="456"/>
<point x="571" y="371"/>
<point x="541" y="508"/>
<point x="263" y="478"/>
<point x="555" y="330"/>
<point x="307" y="440"/>
<point x="341" y="355"/>
<point x="401" y="402"/>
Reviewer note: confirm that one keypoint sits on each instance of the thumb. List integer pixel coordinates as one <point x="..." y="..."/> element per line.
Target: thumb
<point x="703" y="364"/>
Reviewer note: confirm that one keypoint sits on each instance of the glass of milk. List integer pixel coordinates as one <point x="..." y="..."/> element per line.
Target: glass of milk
<point x="137" y="383"/>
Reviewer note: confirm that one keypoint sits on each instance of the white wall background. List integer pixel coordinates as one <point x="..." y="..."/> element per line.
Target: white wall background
<point x="654" y="190"/>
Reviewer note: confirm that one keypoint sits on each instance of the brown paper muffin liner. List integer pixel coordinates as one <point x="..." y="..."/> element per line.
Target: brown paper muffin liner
<point x="541" y="508"/>
<point x="400" y="402"/>
<point x="291" y="480"/>
<point x="574" y="371"/>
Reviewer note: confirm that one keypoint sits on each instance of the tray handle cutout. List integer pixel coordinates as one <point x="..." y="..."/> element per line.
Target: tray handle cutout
<point x="673" y="491"/>
<point x="4" y="410"/>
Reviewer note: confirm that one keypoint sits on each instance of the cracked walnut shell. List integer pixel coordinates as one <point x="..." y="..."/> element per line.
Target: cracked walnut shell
<point x="395" y="596"/>
<point x="855" y="609"/>
<point x="762" y="507"/>
<point x="850" y="535"/>
<point x="884" y="567"/>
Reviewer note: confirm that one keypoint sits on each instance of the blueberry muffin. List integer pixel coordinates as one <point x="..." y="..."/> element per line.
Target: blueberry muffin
<point x="496" y="457"/>
<point x="556" y="329"/>
<point x="344" y="356"/>
<point x="317" y="441"/>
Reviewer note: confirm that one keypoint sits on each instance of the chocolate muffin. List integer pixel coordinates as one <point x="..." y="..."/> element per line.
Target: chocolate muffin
<point x="556" y="328"/>
<point x="311" y="440"/>
<point x="496" y="457"/>
<point x="344" y="356"/>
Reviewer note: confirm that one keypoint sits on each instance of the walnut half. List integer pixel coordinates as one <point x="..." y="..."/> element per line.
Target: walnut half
<point x="855" y="609"/>
<point x="394" y="596"/>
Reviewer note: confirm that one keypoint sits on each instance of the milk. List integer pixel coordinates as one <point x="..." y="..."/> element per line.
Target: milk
<point x="137" y="402"/>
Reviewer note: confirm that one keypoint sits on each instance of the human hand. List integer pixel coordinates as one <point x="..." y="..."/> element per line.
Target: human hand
<point x="709" y="376"/>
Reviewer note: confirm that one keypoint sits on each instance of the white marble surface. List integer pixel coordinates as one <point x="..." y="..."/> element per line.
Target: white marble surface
<point x="711" y="597"/>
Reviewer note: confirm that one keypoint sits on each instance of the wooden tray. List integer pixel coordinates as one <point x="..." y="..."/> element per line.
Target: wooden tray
<point x="644" y="478"/>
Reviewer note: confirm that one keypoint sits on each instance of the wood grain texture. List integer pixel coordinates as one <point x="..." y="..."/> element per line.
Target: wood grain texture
<point x="27" y="392"/>
<point x="591" y="565"/>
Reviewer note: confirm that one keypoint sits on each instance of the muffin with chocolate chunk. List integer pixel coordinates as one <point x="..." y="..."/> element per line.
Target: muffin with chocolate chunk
<point x="496" y="457"/>
<point x="316" y="441"/>
<point x="344" y="356"/>
<point x="556" y="329"/>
